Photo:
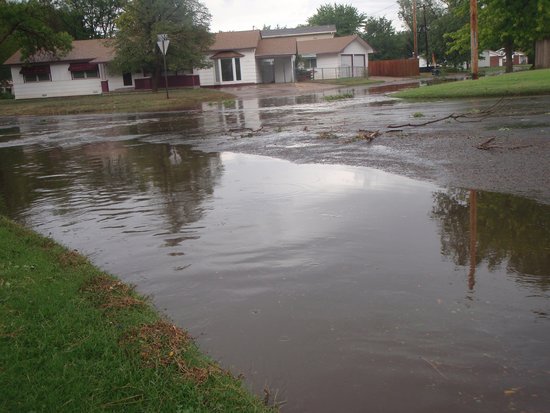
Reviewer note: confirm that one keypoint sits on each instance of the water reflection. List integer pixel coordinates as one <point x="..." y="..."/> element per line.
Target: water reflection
<point x="109" y="175"/>
<point x="340" y="286"/>
<point x="508" y="231"/>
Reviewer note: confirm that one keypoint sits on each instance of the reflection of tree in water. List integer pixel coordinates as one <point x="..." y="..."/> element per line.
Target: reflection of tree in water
<point x="510" y="230"/>
<point x="109" y="173"/>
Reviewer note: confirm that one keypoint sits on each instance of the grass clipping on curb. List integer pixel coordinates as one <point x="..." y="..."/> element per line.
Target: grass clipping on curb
<point x="74" y="339"/>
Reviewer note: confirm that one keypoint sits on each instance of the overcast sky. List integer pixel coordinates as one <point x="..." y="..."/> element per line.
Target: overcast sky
<point x="247" y="14"/>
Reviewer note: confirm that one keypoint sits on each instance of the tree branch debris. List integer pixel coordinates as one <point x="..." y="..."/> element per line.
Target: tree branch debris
<point x="460" y="117"/>
<point x="487" y="145"/>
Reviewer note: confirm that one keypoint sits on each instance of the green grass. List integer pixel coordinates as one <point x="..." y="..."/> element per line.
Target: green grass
<point x="491" y="71"/>
<point x="130" y="102"/>
<point x="526" y="83"/>
<point x="349" y="81"/>
<point x="341" y="96"/>
<point x="75" y="340"/>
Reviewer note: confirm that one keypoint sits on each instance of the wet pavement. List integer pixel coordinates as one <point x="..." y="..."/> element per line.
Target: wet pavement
<point x="337" y="286"/>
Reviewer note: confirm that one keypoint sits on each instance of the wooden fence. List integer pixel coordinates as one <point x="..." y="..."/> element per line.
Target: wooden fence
<point x="542" y="54"/>
<point x="173" y="81"/>
<point x="394" y="68"/>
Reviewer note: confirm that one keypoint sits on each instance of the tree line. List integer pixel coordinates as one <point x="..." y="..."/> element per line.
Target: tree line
<point x="444" y="28"/>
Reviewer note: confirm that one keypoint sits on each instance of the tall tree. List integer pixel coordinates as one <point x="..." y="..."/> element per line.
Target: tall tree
<point x="508" y="24"/>
<point x="97" y="17"/>
<point x="381" y="35"/>
<point x="348" y="19"/>
<point x="186" y="22"/>
<point x="26" y="25"/>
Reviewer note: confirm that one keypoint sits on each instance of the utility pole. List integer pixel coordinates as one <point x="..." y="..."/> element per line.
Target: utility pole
<point x="474" y="38"/>
<point x="426" y="36"/>
<point x="415" y="31"/>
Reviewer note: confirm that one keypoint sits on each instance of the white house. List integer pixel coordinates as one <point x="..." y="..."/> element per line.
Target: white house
<point x="83" y="71"/>
<point x="490" y="58"/>
<point x="271" y="56"/>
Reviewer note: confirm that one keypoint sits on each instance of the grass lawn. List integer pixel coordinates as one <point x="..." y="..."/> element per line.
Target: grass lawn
<point x="532" y="82"/>
<point x="130" y="102"/>
<point x="73" y="339"/>
<point x="349" y="81"/>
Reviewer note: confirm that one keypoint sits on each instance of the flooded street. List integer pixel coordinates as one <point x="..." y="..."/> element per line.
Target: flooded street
<point x="291" y="260"/>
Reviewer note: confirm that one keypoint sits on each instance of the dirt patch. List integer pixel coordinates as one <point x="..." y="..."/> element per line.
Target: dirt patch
<point x="164" y="344"/>
<point x="110" y="294"/>
<point x="71" y="259"/>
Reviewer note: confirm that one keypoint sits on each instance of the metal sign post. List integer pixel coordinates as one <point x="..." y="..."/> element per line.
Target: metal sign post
<point x="163" y="42"/>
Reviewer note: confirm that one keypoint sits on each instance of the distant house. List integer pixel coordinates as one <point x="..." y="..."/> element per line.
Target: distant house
<point x="272" y="56"/>
<point x="242" y="57"/>
<point x="490" y="58"/>
<point x="83" y="71"/>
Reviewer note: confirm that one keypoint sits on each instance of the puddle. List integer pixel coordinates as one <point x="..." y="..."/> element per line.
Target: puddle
<point x="339" y="286"/>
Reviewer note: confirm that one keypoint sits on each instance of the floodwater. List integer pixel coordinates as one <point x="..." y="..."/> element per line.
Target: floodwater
<point x="338" y="288"/>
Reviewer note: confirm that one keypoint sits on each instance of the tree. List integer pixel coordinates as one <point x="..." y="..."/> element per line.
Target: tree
<point x="25" y="25"/>
<point x="98" y="17"/>
<point x="381" y="35"/>
<point x="186" y="22"/>
<point x="507" y="24"/>
<point x="347" y="19"/>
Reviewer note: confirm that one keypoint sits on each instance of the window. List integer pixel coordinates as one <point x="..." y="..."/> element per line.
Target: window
<point x="39" y="73"/>
<point x="230" y="69"/>
<point x="85" y="74"/>
<point x="84" y="70"/>
<point x="310" y="62"/>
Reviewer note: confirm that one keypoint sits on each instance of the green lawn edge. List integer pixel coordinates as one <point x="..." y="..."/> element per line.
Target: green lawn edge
<point x="524" y="83"/>
<point x="67" y="346"/>
<point x="116" y="102"/>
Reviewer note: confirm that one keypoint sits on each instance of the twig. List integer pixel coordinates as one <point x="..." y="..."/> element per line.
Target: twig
<point x="485" y="145"/>
<point x="433" y="366"/>
<point x="477" y="117"/>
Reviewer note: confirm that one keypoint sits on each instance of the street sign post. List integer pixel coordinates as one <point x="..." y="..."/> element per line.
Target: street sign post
<point x="163" y="42"/>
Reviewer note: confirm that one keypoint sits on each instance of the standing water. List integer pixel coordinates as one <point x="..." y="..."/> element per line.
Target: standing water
<point x="338" y="288"/>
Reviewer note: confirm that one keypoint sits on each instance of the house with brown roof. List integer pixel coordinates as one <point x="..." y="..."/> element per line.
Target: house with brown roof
<point x="272" y="56"/>
<point x="82" y="71"/>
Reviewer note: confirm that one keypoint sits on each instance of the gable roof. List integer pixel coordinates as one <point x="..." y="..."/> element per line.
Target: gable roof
<point x="326" y="46"/>
<point x="299" y="31"/>
<point x="236" y="40"/>
<point x="283" y="46"/>
<point x="95" y="50"/>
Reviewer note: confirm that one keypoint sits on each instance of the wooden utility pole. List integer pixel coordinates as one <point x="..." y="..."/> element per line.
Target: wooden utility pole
<point x="426" y="37"/>
<point x="474" y="38"/>
<point x="415" y="35"/>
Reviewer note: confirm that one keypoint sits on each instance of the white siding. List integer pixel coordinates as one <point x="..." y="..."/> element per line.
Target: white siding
<point x="248" y="71"/>
<point x="356" y="48"/>
<point x="61" y="84"/>
<point x="485" y="59"/>
<point x="327" y="66"/>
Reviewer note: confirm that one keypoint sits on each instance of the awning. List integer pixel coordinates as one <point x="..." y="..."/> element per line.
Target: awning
<point x="82" y="67"/>
<point x="35" y="70"/>
<point x="227" y="55"/>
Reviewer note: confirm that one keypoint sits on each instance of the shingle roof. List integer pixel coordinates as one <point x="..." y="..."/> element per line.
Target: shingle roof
<point x="236" y="40"/>
<point x="95" y="50"/>
<point x="285" y="46"/>
<point x="330" y="28"/>
<point x="334" y="45"/>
